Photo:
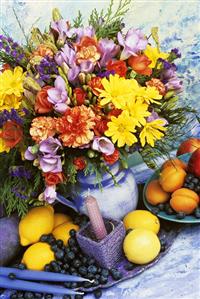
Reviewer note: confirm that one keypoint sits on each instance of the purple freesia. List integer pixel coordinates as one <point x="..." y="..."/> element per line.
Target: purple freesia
<point x="103" y="145"/>
<point x="83" y="31"/>
<point x="49" y="146"/>
<point x="58" y="94"/>
<point x="175" y="84"/>
<point x="50" y="194"/>
<point x="169" y="77"/>
<point x="108" y="50"/>
<point x="87" y="66"/>
<point x="31" y="153"/>
<point x="50" y="163"/>
<point x="154" y="115"/>
<point x="133" y="42"/>
<point x="62" y="29"/>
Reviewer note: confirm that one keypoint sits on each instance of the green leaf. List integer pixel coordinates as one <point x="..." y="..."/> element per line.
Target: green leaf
<point x="154" y="34"/>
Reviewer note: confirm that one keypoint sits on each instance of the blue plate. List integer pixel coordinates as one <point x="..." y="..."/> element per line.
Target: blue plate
<point x="162" y="214"/>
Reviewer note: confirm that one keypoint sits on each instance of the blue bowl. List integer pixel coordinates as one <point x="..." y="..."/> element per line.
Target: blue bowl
<point x="162" y="214"/>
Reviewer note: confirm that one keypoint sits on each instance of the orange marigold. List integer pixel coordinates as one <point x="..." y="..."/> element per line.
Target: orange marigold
<point x="76" y="126"/>
<point x="42" y="128"/>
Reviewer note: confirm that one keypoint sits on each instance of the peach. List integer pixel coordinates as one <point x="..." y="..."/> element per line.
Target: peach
<point x="155" y="194"/>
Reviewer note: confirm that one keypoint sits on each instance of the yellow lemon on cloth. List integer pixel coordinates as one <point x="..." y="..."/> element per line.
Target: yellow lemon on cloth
<point x="61" y="232"/>
<point x="141" y="246"/>
<point x="38" y="221"/>
<point x="60" y="218"/>
<point x="37" y="256"/>
<point x="142" y="219"/>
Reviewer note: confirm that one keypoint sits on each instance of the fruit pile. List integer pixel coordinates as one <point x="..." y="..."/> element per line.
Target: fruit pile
<point x="177" y="190"/>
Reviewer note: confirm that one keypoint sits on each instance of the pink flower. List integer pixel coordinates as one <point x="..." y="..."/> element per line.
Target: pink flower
<point x="50" y="194"/>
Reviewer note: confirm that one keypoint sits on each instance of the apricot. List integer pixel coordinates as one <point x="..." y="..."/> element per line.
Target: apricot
<point x="155" y="194"/>
<point x="174" y="162"/>
<point x="183" y="204"/>
<point x="186" y="192"/>
<point x="172" y="178"/>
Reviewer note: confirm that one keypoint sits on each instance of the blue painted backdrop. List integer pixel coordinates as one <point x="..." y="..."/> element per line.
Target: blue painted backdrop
<point x="178" y="21"/>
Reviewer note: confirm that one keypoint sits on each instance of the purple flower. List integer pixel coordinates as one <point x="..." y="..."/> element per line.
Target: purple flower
<point x="20" y="172"/>
<point x="103" y="145"/>
<point x="58" y="94"/>
<point x="50" y="163"/>
<point x="31" y="153"/>
<point x="106" y="74"/>
<point x="177" y="52"/>
<point x="108" y="49"/>
<point x="133" y="42"/>
<point x="6" y="115"/>
<point x="175" y="84"/>
<point x="170" y="79"/>
<point x="46" y="68"/>
<point x="49" y="146"/>
<point x="50" y="194"/>
<point x="154" y="115"/>
<point x="82" y="31"/>
<point x="86" y="66"/>
<point x="62" y="29"/>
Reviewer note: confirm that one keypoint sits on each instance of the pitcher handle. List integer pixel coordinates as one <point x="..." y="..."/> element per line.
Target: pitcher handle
<point x="66" y="202"/>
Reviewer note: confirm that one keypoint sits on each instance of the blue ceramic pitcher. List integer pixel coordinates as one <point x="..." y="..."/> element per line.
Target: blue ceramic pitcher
<point x="114" y="201"/>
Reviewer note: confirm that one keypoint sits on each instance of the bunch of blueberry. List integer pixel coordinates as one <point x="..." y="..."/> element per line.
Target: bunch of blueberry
<point x="192" y="182"/>
<point x="71" y="260"/>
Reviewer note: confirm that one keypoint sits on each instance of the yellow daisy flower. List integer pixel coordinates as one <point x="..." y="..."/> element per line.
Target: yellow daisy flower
<point x="152" y="132"/>
<point x="11" y="88"/>
<point x="139" y="111"/>
<point x="153" y="54"/>
<point x="151" y="95"/>
<point x="121" y="129"/>
<point x="117" y="90"/>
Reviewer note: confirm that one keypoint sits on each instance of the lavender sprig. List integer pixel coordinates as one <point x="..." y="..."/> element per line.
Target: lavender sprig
<point x="46" y="68"/>
<point x="20" y="172"/>
<point x="13" y="115"/>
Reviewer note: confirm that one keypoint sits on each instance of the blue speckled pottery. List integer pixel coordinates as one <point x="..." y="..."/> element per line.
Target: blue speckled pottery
<point x="114" y="201"/>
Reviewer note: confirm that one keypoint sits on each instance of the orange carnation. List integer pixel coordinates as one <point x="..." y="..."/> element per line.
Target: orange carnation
<point x="87" y="49"/>
<point x="76" y="126"/>
<point x="42" y="51"/>
<point x="42" y="127"/>
<point x="53" y="178"/>
<point x="140" y="64"/>
<point x="158" y="85"/>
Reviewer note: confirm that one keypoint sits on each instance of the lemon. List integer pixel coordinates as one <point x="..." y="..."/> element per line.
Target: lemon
<point x="61" y="232"/>
<point x="38" y="221"/>
<point x="60" y="219"/>
<point x="141" y="246"/>
<point x="142" y="219"/>
<point x="37" y="256"/>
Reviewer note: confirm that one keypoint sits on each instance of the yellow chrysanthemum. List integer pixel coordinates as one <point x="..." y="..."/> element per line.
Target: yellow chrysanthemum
<point x="117" y="90"/>
<point x="153" y="54"/>
<point x="151" y="95"/>
<point x="3" y="147"/>
<point x="152" y="132"/>
<point x="11" y="88"/>
<point x="121" y="129"/>
<point x="139" y="111"/>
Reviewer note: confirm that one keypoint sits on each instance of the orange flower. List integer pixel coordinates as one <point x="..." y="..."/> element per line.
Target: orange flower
<point x="80" y="95"/>
<point x="158" y="85"/>
<point x="79" y="163"/>
<point x="114" y="112"/>
<point x="76" y="126"/>
<point x="140" y="64"/>
<point x="42" y="127"/>
<point x="95" y="83"/>
<point x="5" y="67"/>
<point x="118" y="66"/>
<point x="42" y="51"/>
<point x="87" y="49"/>
<point x="100" y="127"/>
<point x="52" y="179"/>
<point x="111" y="159"/>
<point x="12" y="133"/>
<point x="42" y="104"/>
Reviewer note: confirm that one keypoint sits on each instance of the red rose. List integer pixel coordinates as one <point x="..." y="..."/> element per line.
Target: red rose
<point x="95" y="83"/>
<point x="140" y="64"/>
<point x="111" y="159"/>
<point x="53" y="178"/>
<point x="80" y="96"/>
<point x="12" y="133"/>
<point x="118" y="66"/>
<point x="100" y="127"/>
<point x="42" y="104"/>
<point x="79" y="163"/>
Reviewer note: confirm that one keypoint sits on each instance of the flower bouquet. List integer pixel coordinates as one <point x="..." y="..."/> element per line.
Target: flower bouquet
<point x="80" y="98"/>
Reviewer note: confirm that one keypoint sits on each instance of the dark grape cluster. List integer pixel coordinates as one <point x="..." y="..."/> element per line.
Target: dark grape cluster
<point x="192" y="182"/>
